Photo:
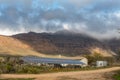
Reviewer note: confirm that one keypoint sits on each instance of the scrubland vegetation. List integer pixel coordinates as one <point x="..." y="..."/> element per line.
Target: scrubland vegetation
<point x="13" y="65"/>
<point x="117" y="75"/>
<point x="98" y="57"/>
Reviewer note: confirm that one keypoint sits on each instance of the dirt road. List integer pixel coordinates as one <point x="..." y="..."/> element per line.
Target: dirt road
<point x="101" y="74"/>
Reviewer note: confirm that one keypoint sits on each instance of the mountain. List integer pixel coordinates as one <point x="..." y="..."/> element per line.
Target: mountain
<point x="12" y="46"/>
<point x="114" y="45"/>
<point x="64" y="43"/>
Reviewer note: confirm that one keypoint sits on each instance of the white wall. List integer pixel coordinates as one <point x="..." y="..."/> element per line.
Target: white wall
<point x="101" y="63"/>
<point x="84" y="60"/>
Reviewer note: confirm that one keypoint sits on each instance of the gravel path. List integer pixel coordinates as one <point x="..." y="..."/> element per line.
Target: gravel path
<point x="101" y="74"/>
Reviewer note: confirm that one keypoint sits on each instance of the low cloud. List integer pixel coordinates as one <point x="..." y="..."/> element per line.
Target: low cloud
<point x="93" y="17"/>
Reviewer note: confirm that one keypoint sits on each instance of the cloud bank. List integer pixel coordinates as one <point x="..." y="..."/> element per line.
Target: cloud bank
<point x="98" y="18"/>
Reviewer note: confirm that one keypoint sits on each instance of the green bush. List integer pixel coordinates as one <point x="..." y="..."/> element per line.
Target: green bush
<point x="97" y="57"/>
<point x="117" y="76"/>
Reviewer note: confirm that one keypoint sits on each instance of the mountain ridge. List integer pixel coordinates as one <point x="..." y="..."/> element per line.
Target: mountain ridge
<point x="64" y="43"/>
<point x="57" y="44"/>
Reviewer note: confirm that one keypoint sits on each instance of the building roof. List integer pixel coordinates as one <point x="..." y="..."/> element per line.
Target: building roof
<point x="52" y="60"/>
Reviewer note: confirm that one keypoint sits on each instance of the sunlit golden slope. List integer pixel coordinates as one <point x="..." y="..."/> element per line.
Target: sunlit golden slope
<point x="11" y="46"/>
<point x="102" y="52"/>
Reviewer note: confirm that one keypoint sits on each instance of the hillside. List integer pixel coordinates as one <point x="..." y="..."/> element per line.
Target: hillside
<point x="66" y="44"/>
<point x="114" y="45"/>
<point x="56" y="45"/>
<point x="12" y="46"/>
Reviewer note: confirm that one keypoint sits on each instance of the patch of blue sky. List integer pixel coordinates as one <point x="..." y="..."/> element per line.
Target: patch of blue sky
<point x="33" y="14"/>
<point x="1" y="14"/>
<point x="3" y="6"/>
<point x="19" y="7"/>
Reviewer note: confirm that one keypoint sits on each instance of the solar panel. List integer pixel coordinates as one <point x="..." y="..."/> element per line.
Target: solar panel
<point x="52" y="60"/>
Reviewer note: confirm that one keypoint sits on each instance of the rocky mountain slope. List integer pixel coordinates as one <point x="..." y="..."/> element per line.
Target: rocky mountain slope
<point x="56" y="45"/>
<point x="64" y="43"/>
<point x="114" y="45"/>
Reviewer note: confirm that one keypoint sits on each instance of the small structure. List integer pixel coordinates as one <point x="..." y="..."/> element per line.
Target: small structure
<point x="54" y="61"/>
<point x="84" y="60"/>
<point x="2" y="59"/>
<point x="101" y="63"/>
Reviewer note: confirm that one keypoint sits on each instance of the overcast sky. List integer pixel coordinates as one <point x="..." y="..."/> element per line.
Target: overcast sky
<point x="100" y="18"/>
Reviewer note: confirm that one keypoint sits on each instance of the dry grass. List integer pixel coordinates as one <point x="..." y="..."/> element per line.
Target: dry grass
<point x="102" y="52"/>
<point x="11" y="46"/>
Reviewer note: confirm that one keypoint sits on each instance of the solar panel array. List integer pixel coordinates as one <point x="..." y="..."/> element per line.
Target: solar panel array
<point x="52" y="60"/>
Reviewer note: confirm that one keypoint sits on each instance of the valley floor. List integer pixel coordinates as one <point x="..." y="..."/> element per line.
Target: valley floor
<point x="101" y="74"/>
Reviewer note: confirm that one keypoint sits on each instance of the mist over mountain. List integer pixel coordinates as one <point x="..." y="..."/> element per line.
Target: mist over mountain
<point x="68" y="27"/>
<point x="94" y="17"/>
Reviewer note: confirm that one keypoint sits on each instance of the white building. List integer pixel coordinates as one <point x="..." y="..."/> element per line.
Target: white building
<point x="101" y="63"/>
<point x="85" y="61"/>
<point x="82" y="62"/>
